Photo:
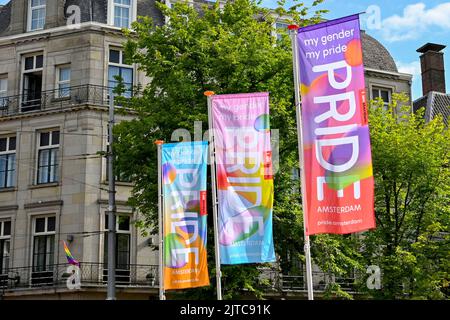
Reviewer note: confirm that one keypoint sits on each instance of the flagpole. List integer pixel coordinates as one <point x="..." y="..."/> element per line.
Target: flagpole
<point x="298" y="104"/>
<point x="162" y="296"/>
<point x="212" y="162"/>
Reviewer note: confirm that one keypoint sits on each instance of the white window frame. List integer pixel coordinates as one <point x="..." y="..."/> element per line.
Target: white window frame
<point x="47" y="147"/>
<point x="30" y="14"/>
<point x="379" y="89"/>
<point x="9" y="152"/>
<point x="190" y="3"/>
<point x="3" y="86"/>
<point x="6" y="238"/>
<point x="35" y="234"/>
<point x="118" y="231"/>
<point x="275" y="28"/>
<point x="121" y="64"/>
<point x="34" y="56"/>
<point x="59" y="82"/>
<point x="111" y="11"/>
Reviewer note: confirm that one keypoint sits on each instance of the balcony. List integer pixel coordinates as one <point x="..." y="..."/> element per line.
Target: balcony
<point x="296" y="283"/>
<point x="91" y="275"/>
<point x="54" y="100"/>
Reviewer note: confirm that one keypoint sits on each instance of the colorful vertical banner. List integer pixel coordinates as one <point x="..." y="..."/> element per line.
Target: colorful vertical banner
<point x="184" y="194"/>
<point x="336" y="142"/>
<point x="244" y="177"/>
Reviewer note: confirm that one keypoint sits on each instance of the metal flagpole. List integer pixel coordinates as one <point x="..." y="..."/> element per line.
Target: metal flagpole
<point x="212" y="162"/>
<point x="162" y="296"/>
<point x="111" y="206"/>
<point x="298" y="104"/>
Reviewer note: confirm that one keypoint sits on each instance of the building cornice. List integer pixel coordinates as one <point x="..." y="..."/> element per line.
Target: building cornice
<point x="47" y="33"/>
<point x="405" y="76"/>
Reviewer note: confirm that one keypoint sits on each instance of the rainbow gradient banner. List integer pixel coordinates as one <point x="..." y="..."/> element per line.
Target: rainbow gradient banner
<point x="184" y="210"/>
<point x="244" y="177"/>
<point x="336" y="143"/>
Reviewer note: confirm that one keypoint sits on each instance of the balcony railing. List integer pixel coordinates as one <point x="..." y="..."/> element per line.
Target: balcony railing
<point x="91" y="274"/>
<point x="297" y="283"/>
<point x="54" y="99"/>
<point x="146" y="277"/>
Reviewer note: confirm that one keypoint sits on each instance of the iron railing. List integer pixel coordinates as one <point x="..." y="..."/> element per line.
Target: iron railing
<point x="91" y="274"/>
<point x="146" y="276"/>
<point x="36" y="101"/>
<point x="274" y="280"/>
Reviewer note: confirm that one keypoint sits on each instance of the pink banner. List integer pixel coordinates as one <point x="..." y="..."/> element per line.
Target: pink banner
<point x="244" y="177"/>
<point x="336" y="142"/>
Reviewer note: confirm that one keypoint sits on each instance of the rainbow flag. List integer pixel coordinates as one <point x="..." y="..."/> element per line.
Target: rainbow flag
<point x="70" y="258"/>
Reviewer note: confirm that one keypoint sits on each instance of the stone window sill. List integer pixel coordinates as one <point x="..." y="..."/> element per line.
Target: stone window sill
<point x="8" y="189"/>
<point x="44" y="185"/>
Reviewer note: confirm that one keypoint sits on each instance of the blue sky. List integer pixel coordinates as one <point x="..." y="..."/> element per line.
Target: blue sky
<point x="405" y="26"/>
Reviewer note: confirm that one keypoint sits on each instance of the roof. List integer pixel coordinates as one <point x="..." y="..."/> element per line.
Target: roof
<point x="5" y="14"/>
<point x="431" y="47"/>
<point x="435" y="103"/>
<point x="376" y="56"/>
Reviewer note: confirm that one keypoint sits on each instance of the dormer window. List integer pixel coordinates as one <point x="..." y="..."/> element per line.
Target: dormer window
<point x="121" y="13"/>
<point x="36" y="14"/>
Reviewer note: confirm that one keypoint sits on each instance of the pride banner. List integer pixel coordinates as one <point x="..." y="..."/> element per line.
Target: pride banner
<point x="184" y="194"/>
<point x="244" y="177"/>
<point x="336" y="149"/>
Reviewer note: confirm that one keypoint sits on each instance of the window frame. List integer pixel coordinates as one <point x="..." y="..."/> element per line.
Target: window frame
<point x="50" y="147"/>
<point x="276" y="28"/>
<point x="60" y="82"/>
<point x="121" y="65"/>
<point x="119" y="232"/>
<point x="30" y="15"/>
<point x="48" y="265"/>
<point x="4" y="267"/>
<point x="3" y="92"/>
<point x="8" y="152"/>
<point x="379" y="89"/>
<point x="33" y="55"/>
<point x="111" y="12"/>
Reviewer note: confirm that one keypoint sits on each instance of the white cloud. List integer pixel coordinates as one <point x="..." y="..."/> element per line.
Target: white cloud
<point x="415" y="20"/>
<point x="410" y="68"/>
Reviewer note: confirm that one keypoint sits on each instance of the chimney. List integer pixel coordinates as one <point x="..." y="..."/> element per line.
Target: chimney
<point x="432" y="64"/>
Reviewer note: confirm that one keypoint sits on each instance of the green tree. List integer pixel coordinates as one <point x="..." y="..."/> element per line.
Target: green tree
<point x="412" y="203"/>
<point x="229" y="50"/>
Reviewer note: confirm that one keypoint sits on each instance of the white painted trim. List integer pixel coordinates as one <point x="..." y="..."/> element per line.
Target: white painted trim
<point x="29" y="13"/>
<point x="110" y="12"/>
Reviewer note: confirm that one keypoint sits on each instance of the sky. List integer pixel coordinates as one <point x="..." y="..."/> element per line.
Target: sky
<point x="404" y="26"/>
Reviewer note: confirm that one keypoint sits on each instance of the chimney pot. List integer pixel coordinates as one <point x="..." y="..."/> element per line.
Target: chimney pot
<point x="432" y="65"/>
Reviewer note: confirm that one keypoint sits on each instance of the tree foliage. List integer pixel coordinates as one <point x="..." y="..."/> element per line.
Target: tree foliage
<point x="229" y="50"/>
<point x="234" y="50"/>
<point x="412" y="202"/>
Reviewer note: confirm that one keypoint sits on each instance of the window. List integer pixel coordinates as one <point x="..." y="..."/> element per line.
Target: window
<point x="119" y="175"/>
<point x="382" y="93"/>
<point x="48" y="148"/>
<point x="32" y="82"/>
<point x="7" y="162"/>
<point x="123" y="233"/>
<point x="43" y="250"/>
<point x="280" y="29"/>
<point x="122" y="13"/>
<point x="5" y="247"/>
<point x="118" y="67"/>
<point x="36" y="14"/>
<point x="3" y="87"/>
<point x="63" y="82"/>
